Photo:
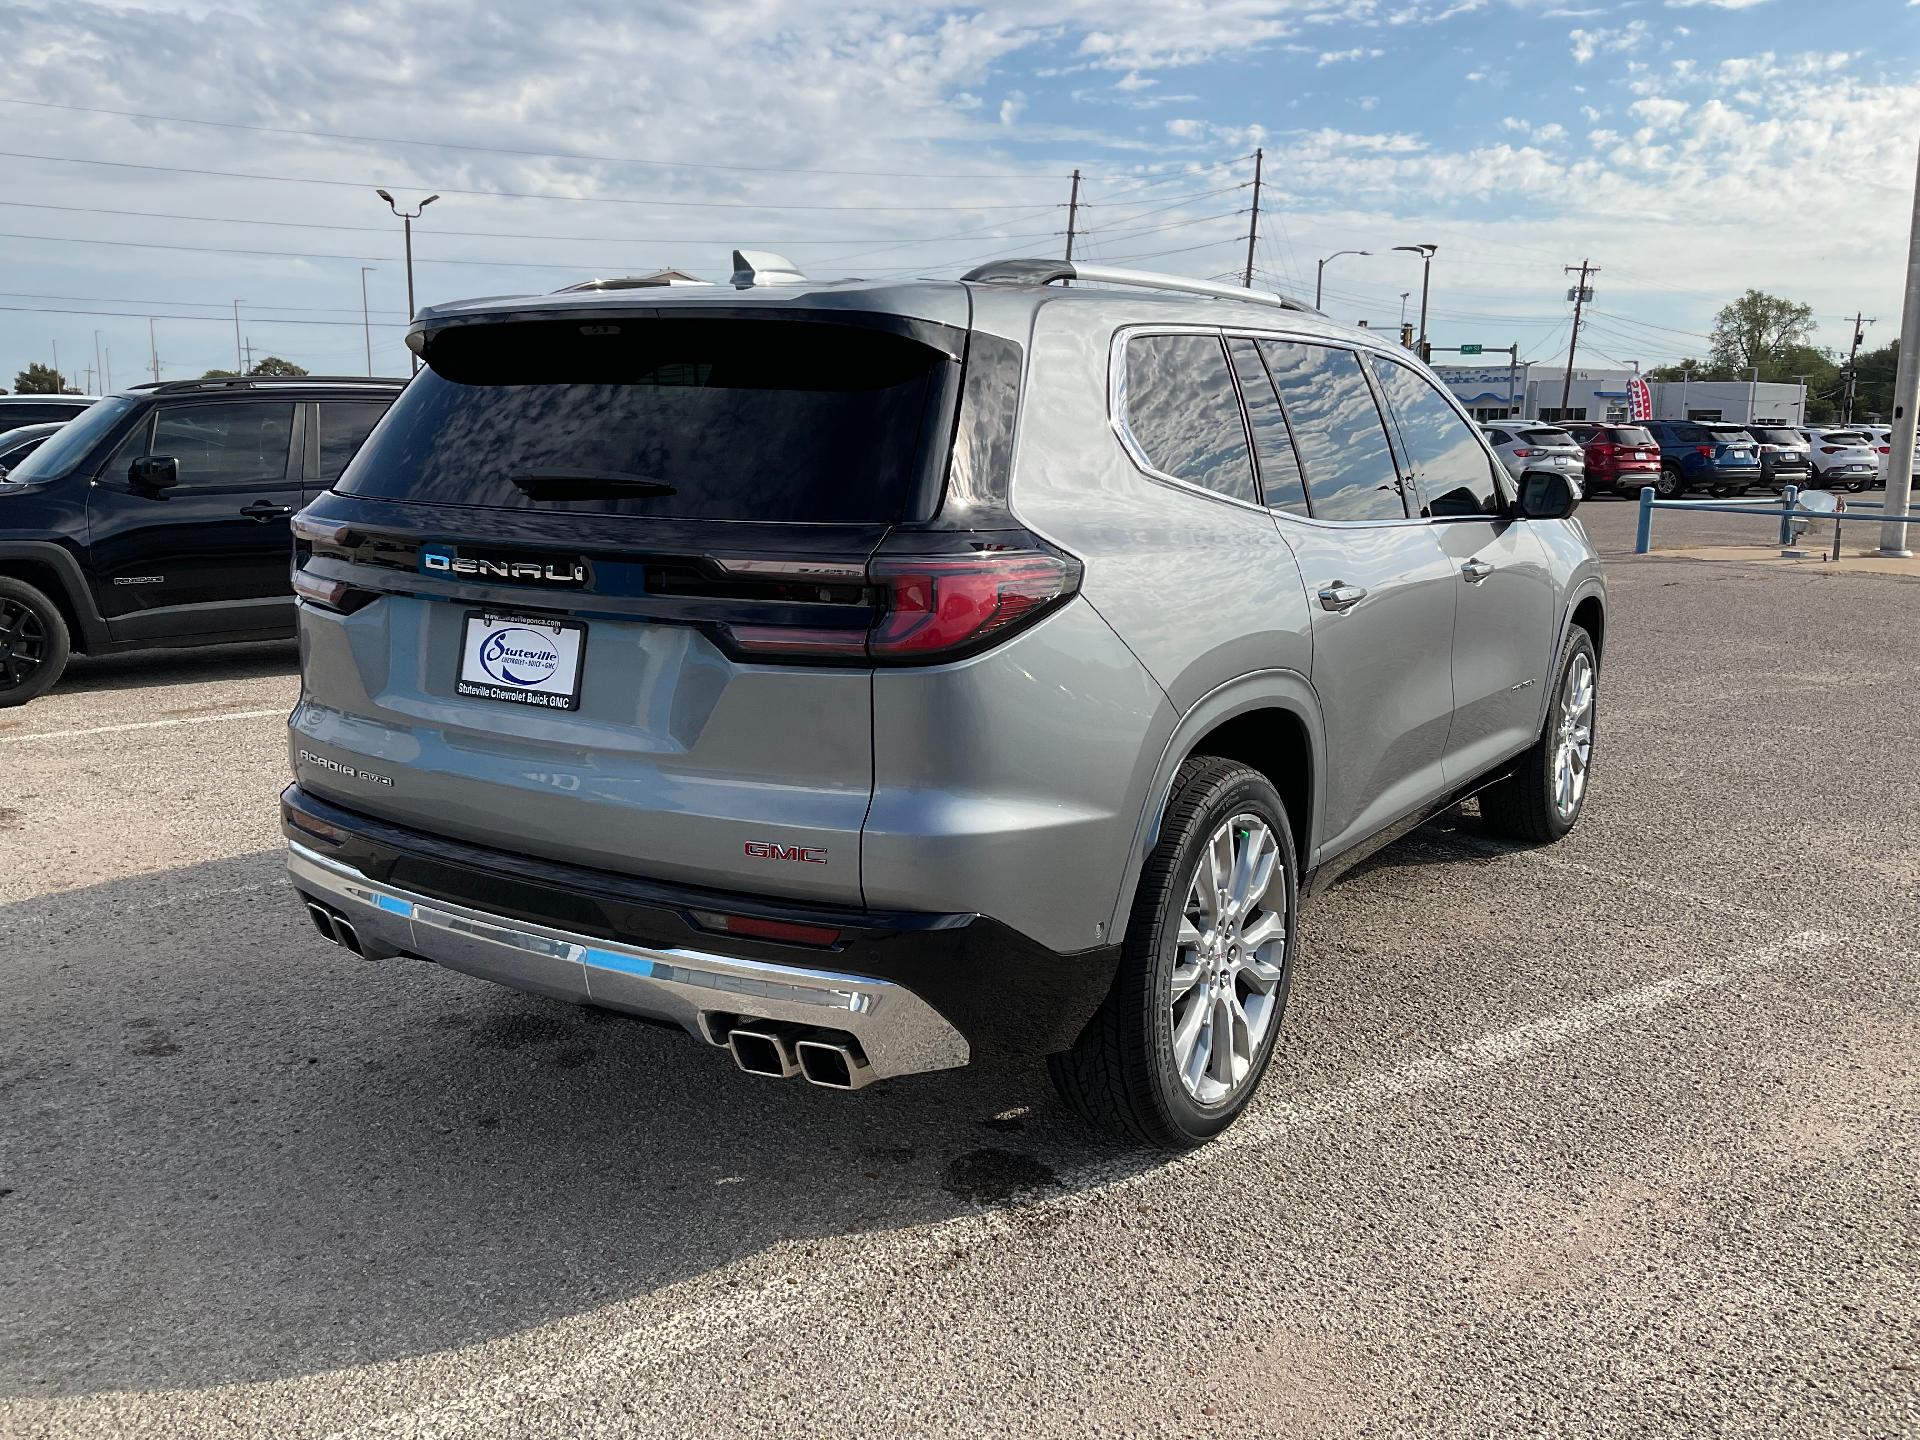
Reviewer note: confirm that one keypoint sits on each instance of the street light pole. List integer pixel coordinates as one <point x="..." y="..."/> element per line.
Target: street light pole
<point x="407" y="217"/>
<point x="366" y="324"/>
<point x="1320" y="272"/>
<point x="1425" y="252"/>
<point x="1906" y="399"/>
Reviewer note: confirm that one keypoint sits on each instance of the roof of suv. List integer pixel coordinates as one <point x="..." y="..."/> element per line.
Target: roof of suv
<point x="25" y="399"/>
<point x="945" y="302"/>
<point x="274" y="383"/>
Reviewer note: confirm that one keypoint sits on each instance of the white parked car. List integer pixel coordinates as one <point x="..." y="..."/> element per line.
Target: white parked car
<point x="1882" y="438"/>
<point x="1842" y="456"/>
<point x="1524" y="445"/>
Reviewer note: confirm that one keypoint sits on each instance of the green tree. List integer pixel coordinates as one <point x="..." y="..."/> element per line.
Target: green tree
<point x="38" y="379"/>
<point x="219" y="374"/>
<point x="1759" y="329"/>
<point x="274" y="365"/>
<point x="1873" y="394"/>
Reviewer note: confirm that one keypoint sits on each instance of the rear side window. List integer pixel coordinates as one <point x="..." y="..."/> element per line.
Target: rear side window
<point x="1349" y="468"/>
<point x="1451" y="470"/>
<point x="1182" y="412"/>
<point x="226" y="444"/>
<point x="1280" y="480"/>
<point x="344" y="427"/>
<point x="693" y="418"/>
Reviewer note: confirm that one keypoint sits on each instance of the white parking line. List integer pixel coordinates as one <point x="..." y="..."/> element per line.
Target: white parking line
<point x="735" y="1314"/>
<point x="144" y="725"/>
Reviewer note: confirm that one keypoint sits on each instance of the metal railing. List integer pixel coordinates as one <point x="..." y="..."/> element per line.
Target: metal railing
<point x="1786" y="512"/>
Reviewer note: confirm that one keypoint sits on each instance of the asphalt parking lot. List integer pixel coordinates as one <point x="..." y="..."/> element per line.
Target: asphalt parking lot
<point x="1613" y="1139"/>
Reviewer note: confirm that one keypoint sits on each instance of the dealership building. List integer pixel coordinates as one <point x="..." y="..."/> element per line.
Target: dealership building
<point x="1533" y="392"/>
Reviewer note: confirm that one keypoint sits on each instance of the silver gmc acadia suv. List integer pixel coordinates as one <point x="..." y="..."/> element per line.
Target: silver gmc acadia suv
<point x="869" y="676"/>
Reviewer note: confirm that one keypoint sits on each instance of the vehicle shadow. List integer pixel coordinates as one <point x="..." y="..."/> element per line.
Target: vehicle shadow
<point x="232" y="1152"/>
<point x="139" y="669"/>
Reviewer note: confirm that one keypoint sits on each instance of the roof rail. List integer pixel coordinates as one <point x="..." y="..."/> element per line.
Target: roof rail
<point x="256" y="382"/>
<point x="1047" y="272"/>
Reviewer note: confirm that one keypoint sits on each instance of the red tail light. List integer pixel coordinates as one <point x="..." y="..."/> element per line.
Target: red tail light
<point x="931" y="607"/>
<point x="1703" y="449"/>
<point x="752" y="927"/>
<point x="1525" y="454"/>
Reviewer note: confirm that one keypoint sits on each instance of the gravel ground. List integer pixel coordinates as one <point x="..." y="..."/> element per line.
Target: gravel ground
<point x="1617" y="1138"/>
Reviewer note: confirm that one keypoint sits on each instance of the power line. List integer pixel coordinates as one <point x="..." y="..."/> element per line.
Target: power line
<point x="533" y="154"/>
<point x="462" y="234"/>
<point x="252" y="319"/>
<point x="497" y="194"/>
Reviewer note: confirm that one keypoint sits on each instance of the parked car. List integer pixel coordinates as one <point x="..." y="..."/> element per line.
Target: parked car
<point x="1843" y="457"/>
<point x="1694" y="457"/>
<point x="22" y="441"/>
<point x="1620" y="458"/>
<point x="1524" y="445"/>
<point x="159" y="518"/>
<point x="1783" y="456"/>
<point x="957" y="668"/>
<point x="19" y="410"/>
<point x="1882" y="438"/>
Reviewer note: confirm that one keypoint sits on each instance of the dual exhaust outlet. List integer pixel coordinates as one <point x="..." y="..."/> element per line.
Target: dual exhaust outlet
<point x="820" y="1057"/>
<point x="334" y="926"/>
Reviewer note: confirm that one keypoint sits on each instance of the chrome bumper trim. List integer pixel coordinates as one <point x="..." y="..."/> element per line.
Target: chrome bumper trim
<point x="900" y="1033"/>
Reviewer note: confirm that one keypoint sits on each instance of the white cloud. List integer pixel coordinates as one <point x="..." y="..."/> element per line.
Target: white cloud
<point x="1011" y="107"/>
<point x="1659" y="113"/>
<point x="1134" y="80"/>
<point x="1720" y="4"/>
<point x="1358" y="52"/>
<point x="1588" y="43"/>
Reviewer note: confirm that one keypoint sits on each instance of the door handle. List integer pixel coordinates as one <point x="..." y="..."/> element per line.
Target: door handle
<point x="262" y="511"/>
<point x="1476" y="571"/>
<point x="1341" y="596"/>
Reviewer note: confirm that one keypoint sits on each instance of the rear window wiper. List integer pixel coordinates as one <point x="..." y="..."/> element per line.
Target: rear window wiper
<point x="587" y="485"/>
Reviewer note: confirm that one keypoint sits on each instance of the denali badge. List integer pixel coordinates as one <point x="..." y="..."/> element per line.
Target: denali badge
<point x="764" y="850"/>
<point x="561" y="574"/>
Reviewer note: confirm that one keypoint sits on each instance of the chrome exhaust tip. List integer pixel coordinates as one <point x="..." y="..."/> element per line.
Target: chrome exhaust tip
<point x="835" y="1065"/>
<point x="334" y="927"/>
<point x="322" y="921"/>
<point x="764" y="1052"/>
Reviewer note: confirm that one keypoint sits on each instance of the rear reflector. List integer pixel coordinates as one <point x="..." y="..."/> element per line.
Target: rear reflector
<point x="752" y="927"/>
<point x="331" y="594"/>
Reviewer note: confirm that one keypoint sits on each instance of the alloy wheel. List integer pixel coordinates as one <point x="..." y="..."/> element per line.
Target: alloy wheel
<point x="1225" y="993"/>
<point x="23" y="642"/>
<point x="1573" y="749"/>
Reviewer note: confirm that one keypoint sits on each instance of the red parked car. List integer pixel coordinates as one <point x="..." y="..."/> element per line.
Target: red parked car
<point x="1620" y="457"/>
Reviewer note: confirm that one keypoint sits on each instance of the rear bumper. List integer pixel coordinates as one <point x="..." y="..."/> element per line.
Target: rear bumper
<point x="707" y="994"/>
<point x="916" y="991"/>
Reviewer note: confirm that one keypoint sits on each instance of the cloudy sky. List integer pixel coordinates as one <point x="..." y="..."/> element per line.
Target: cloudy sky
<point x="163" y="160"/>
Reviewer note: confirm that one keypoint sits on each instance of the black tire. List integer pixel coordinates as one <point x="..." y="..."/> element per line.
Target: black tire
<point x="1521" y="806"/>
<point x="1856" y="486"/>
<point x="34" y="643"/>
<point x="1669" y="486"/>
<point x="1120" y="1074"/>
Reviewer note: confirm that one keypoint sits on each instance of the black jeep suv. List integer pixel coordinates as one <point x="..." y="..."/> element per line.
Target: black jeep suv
<point x="159" y="518"/>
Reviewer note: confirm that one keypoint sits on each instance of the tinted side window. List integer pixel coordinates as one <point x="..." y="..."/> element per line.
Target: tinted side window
<point x="226" y="444"/>
<point x="344" y="425"/>
<point x="1451" y="472"/>
<point x="1343" y="448"/>
<point x="1280" y="480"/>
<point x="1182" y="410"/>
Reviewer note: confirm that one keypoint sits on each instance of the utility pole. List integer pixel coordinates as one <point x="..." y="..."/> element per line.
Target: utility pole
<point x="153" y="349"/>
<point x="1073" y="214"/>
<point x="109" y="363"/>
<point x="366" y="324"/>
<point x="1573" y="341"/>
<point x="239" y="363"/>
<point x="1860" y="322"/>
<point x="98" y="369"/>
<point x="1906" y="399"/>
<point x="57" y="380"/>
<point x="1253" y="228"/>
<point x="248" y="368"/>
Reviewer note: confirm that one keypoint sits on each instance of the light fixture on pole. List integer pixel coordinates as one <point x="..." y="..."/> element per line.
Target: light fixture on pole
<point x="1320" y="272"/>
<point x="407" y="217"/>
<point x="1425" y="252"/>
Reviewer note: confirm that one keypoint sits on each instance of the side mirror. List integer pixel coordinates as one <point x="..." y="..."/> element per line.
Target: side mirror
<point x="1546" y="495"/>
<point x="154" y="472"/>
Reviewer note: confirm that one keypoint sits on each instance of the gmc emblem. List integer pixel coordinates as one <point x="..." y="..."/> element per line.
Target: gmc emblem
<point x="763" y="850"/>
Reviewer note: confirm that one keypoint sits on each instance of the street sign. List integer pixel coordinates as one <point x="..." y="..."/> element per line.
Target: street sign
<point x="1469" y="349"/>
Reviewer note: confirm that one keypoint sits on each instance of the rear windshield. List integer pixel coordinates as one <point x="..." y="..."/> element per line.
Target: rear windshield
<point x="705" y="419"/>
<point x="1629" y="435"/>
<point x="1845" y="437"/>
<point x="1772" y="436"/>
<point x="1546" y="437"/>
